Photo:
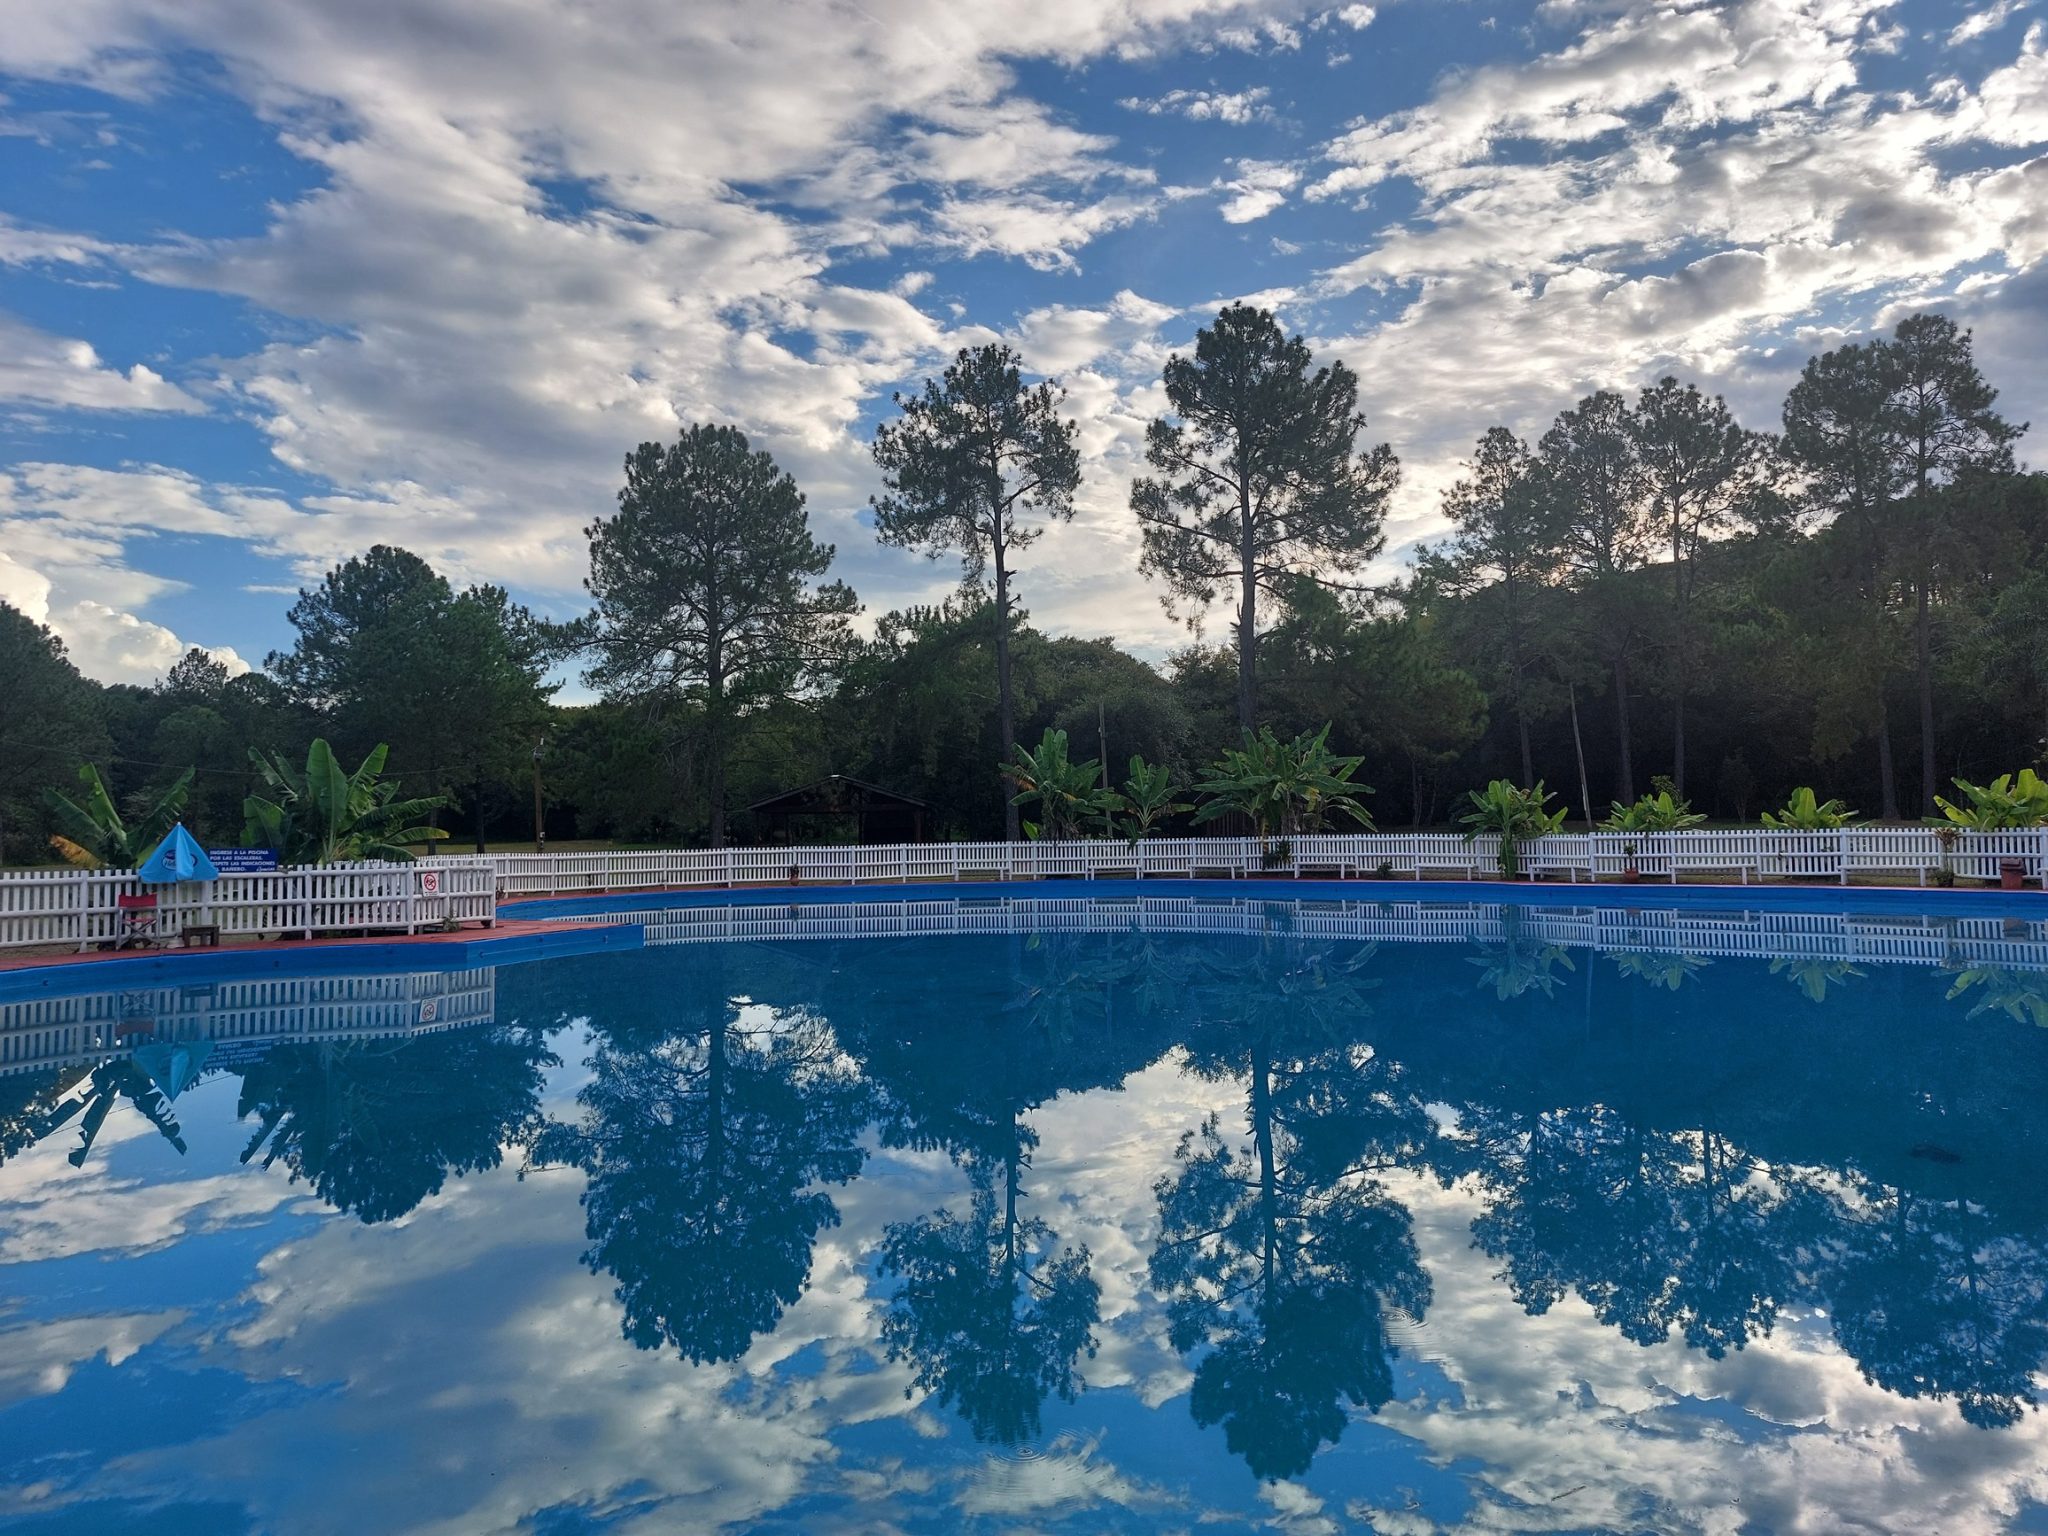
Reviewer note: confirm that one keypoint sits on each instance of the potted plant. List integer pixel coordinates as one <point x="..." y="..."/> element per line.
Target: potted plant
<point x="1945" y="869"/>
<point x="1278" y="855"/>
<point x="1658" y="812"/>
<point x="1384" y="870"/>
<point x="2008" y="801"/>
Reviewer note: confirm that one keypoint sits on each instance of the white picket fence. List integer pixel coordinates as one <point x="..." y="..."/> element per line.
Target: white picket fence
<point x="1742" y="854"/>
<point x="80" y="906"/>
<point x="238" y="1019"/>
<point x="1760" y="934"/>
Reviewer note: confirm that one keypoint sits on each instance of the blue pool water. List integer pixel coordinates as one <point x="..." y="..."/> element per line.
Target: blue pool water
<point x="1137" y="1213"/>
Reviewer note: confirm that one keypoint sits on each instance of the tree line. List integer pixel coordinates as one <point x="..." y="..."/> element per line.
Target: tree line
<point x="1649" y="589"/>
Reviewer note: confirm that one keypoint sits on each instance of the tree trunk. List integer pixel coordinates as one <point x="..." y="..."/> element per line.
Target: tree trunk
<point x="1247" y="644"/>
<point x="1923" y="649"/>
<point x="1522" y="730"/>
<point x="476" y="801"/>
<point x="1579" y="749"/>
<point x="1414" y="792"/>
<point x="1678" y="739"/>
<point x="1005" y="718"/>
<point x="1624" y="757"/>
<point x="1888" y="783"/>
<point x="714" y="748"/>
<point x="1269" y="1183"/>
<point x="714" y="790"/>
<point x="1681" y="659"/>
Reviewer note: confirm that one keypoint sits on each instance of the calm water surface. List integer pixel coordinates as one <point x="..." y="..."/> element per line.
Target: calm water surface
<point x="1176" y="1217"/>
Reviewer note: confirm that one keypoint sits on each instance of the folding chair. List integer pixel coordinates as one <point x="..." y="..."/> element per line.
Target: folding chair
<point x="138" y="921"/>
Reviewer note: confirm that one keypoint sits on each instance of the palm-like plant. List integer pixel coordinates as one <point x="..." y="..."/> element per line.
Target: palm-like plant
<point x="2019" y="995"/>
<point x="1512" y="814"/>
<point x="1805" y="812"/>
<point x="325" y="814"/>
<point x="1068" y="794"/>
<point x="1814" y="975"/>
<point x="1661" y="812"/>
<point x="1149" y="797"/>
<point x="96" y="835"/>
<point x="2010" y="800"/>
<point x="1284" y="787"/>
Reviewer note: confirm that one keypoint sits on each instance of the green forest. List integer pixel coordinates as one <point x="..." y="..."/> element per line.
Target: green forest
<point x="1853" y="598"/>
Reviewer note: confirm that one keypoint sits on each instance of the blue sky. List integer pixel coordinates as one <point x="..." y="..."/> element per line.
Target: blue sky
<point x="281" y="279"/>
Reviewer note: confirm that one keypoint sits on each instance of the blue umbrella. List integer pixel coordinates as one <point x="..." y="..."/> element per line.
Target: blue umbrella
<point x="177" y="858"/>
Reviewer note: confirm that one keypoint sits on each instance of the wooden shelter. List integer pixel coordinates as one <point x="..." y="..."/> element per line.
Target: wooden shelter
<point x="820" y="812"/>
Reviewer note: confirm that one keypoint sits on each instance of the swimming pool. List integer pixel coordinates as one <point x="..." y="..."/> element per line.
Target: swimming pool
<point x="1124" y="1211"/>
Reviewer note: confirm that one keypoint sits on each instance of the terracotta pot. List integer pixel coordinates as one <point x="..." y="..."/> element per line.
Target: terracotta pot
<point x="2011" y="872"/>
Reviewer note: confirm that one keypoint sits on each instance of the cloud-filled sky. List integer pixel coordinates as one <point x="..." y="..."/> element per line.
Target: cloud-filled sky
<point x="279" y="281"/>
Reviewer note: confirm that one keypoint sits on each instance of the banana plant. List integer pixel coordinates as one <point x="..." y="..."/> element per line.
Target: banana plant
<point x="1660" y="812"/>
<point x="2010" y="800"/>
<point x="2020" y="995"/>
<point x="96" y="835"/>
<point x="1512" y="814"/>
<point x="1149" y="797"/>
<point x="1805" y="812"/>
<point x="1814" y="975"/>
<point x="1284" y="787"/>
<point x="1068" y="794"/>
<point x="324" y="814"/>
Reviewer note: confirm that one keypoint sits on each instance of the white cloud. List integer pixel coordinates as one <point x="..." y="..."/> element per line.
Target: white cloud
<point x="1246" y="106"/>
<point x="67" y="531"/>
<point x="41" y="369"/>
<point x="1990" y="19"/>
<point x="1259" y="187"/>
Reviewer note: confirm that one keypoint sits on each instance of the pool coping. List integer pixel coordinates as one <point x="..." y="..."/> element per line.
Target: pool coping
<point x="1873" y="899"/>
<point x="525" y="931"/>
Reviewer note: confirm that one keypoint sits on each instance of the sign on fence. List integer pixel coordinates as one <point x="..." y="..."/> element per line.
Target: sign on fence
<point x="430" y="882"/>
<point x="243" y="861"/>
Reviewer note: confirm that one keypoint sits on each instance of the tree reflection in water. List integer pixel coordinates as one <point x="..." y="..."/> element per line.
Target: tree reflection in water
<point x="990" y="1316"/>
<point x="1932" y="1298"/>
<point x="1279" y="1259"/>
<point x="995" y="1310"/>
<point x="708" y="1127"/>
<point x="378" y="1125"/>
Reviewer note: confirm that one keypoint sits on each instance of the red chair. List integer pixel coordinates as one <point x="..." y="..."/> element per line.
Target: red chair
<point x="138" y="921"/>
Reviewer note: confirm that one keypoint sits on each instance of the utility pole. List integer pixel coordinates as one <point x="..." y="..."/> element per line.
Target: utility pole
<point x="540" y="824"/>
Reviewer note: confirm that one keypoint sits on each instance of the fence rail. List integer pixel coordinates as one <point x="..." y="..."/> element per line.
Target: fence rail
<point x="1922" y="854"/>
<point x="81" y="907"/>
